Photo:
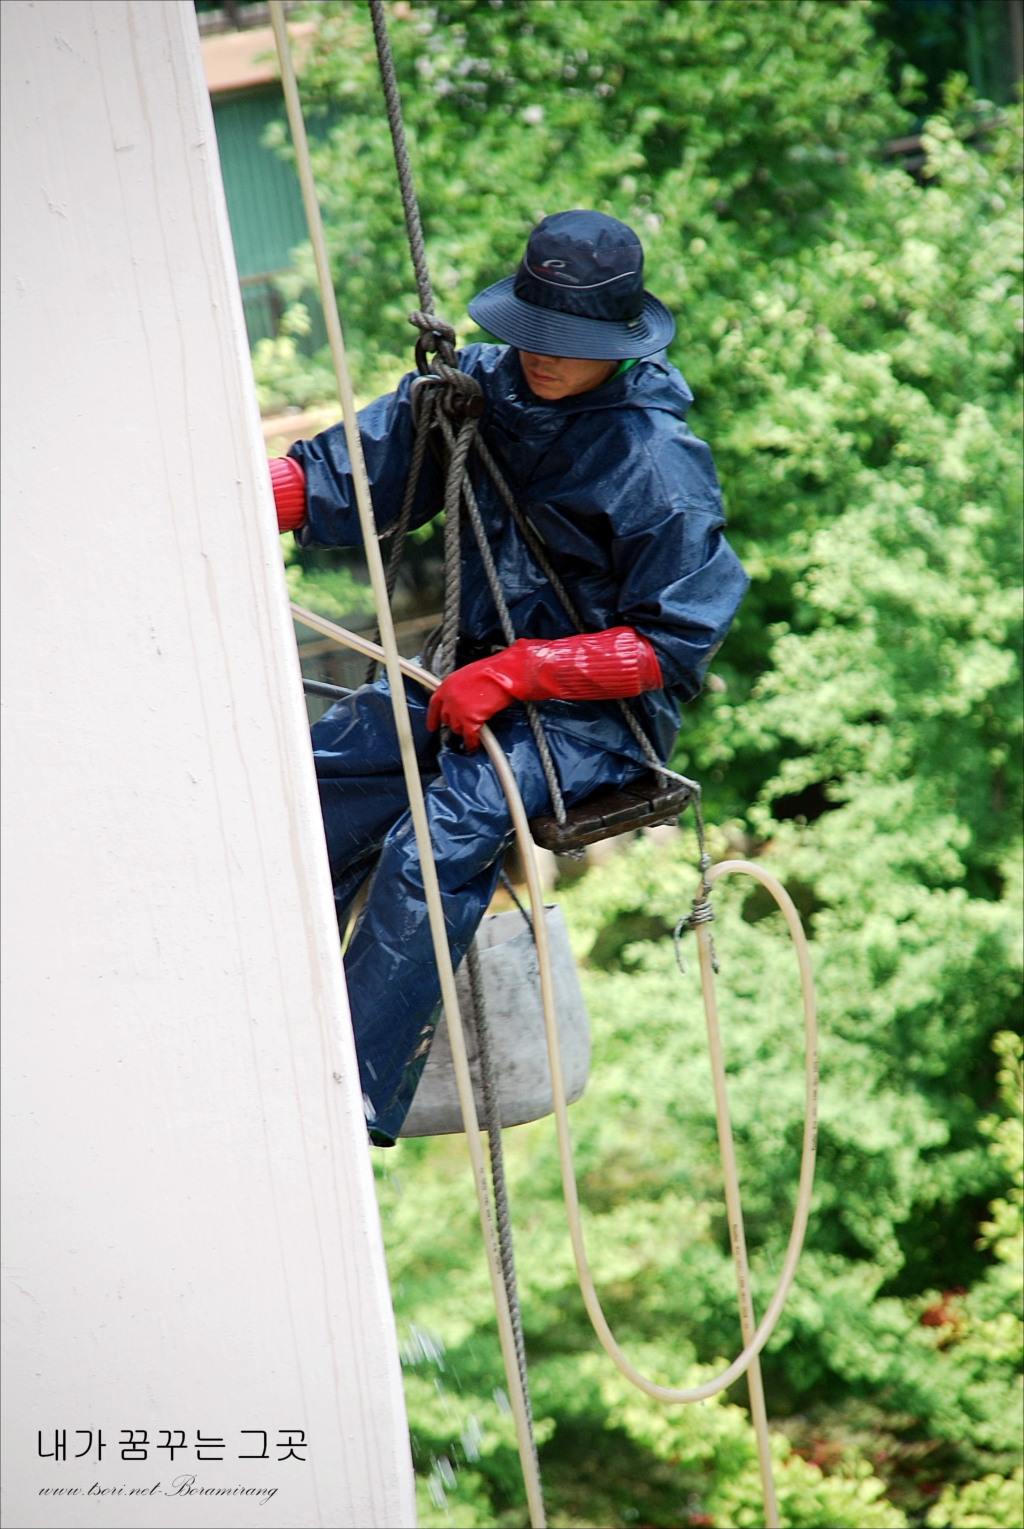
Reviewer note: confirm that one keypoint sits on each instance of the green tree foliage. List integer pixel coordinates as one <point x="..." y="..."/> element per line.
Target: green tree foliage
<point x="331" y="592"/>
<point x="286" y="377"/>
<point x="853" y="340"/>
<point x="517" y="109"/>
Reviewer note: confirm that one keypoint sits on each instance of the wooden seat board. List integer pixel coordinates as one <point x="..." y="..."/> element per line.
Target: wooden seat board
<point x="609" y="812"/>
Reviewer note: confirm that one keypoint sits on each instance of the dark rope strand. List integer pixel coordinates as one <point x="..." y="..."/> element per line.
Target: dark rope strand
<point x="322" y="688"/>
<point x="536" y="549"/>
<point x="529" y="535"/>
<point x="506" y="882"/>
<point x="393" y="102"/>
<point x="492" y="1125"/>
<point x="401" y="531"/>
<point x="452" y="545"/>
<point x="508" y="631"/>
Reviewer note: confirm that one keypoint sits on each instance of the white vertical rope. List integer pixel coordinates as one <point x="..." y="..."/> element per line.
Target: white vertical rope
<point x="410" y="766"/>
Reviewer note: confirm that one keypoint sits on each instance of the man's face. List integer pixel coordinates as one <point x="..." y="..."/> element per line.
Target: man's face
<point x="554" y="377"/>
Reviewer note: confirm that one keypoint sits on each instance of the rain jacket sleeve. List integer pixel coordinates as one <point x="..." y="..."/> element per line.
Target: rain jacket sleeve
<point x="679" y="582"/>
<point x="386" y="431"/>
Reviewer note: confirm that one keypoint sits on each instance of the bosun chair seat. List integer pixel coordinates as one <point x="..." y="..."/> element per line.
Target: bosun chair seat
<point x="608" y="812"/>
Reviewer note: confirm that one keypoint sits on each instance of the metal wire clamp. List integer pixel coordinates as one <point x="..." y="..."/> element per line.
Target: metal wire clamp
<point x="701" y="912"/>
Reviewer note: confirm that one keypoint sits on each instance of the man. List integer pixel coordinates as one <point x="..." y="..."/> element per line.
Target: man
<point x="587" y="420"/>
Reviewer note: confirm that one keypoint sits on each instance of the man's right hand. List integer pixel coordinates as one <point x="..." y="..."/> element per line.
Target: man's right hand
<point x="594" y="666"/>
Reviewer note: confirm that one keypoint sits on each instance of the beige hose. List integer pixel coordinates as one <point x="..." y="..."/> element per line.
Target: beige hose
<point x="754" y="1339"/>
<point x="410" y="767"/>
<point x="761" y="1335"/>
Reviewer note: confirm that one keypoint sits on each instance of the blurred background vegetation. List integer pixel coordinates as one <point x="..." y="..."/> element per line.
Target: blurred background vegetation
<point x="829" y="198"/>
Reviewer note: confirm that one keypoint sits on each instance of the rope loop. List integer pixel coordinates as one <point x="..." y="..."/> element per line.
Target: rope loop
<point x="431" y="324"/>
<point x="463" y="397"/>
<point x="436" y="336"/>
<point x="422" y="394"/>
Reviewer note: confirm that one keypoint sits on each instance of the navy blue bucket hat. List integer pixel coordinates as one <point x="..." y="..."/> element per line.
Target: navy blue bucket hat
<point x="579" y="291"/>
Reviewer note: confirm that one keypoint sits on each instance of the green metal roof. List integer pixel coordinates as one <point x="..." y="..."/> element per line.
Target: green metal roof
<point x="263" y="196"/>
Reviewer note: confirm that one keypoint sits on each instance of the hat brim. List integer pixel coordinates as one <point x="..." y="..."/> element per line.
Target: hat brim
<point x="549" y="332"/>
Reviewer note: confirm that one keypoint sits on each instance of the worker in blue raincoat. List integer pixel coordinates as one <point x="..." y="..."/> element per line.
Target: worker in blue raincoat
<point x="587" y="420"/>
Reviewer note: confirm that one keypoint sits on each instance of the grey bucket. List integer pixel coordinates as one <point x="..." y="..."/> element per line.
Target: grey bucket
<point x="515" y="1021"/>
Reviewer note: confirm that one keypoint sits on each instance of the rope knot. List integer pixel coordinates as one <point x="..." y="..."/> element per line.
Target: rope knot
<point x="435" y="336"/>
<point x="463" y="396"/>
<point x="430" y="324"/>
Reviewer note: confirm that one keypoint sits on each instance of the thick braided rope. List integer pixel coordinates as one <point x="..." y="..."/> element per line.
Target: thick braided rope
<point x="452" y="544"/>
<point x="492" y="1124"/>
<point x="459" y="491"/>
<point x="469" y="388"/>
<point x="410" y="206"/>
<point x="508" y="631"/>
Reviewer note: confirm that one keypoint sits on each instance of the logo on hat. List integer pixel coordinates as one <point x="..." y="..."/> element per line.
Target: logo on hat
<point x="559" y="268"/>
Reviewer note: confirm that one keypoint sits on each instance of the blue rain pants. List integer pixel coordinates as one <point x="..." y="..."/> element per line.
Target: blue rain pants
<point x="393" y="985"/>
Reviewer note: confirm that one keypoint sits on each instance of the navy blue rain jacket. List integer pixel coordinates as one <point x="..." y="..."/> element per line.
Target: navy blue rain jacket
<point x="622" y="492"/>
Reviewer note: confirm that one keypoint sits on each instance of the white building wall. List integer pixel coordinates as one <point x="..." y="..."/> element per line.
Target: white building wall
<point x="192" y="1240"/>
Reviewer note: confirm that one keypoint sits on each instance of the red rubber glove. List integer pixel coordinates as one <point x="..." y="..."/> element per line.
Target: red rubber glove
<point x="596" y="666"/>
<point x="289" y="484"/>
